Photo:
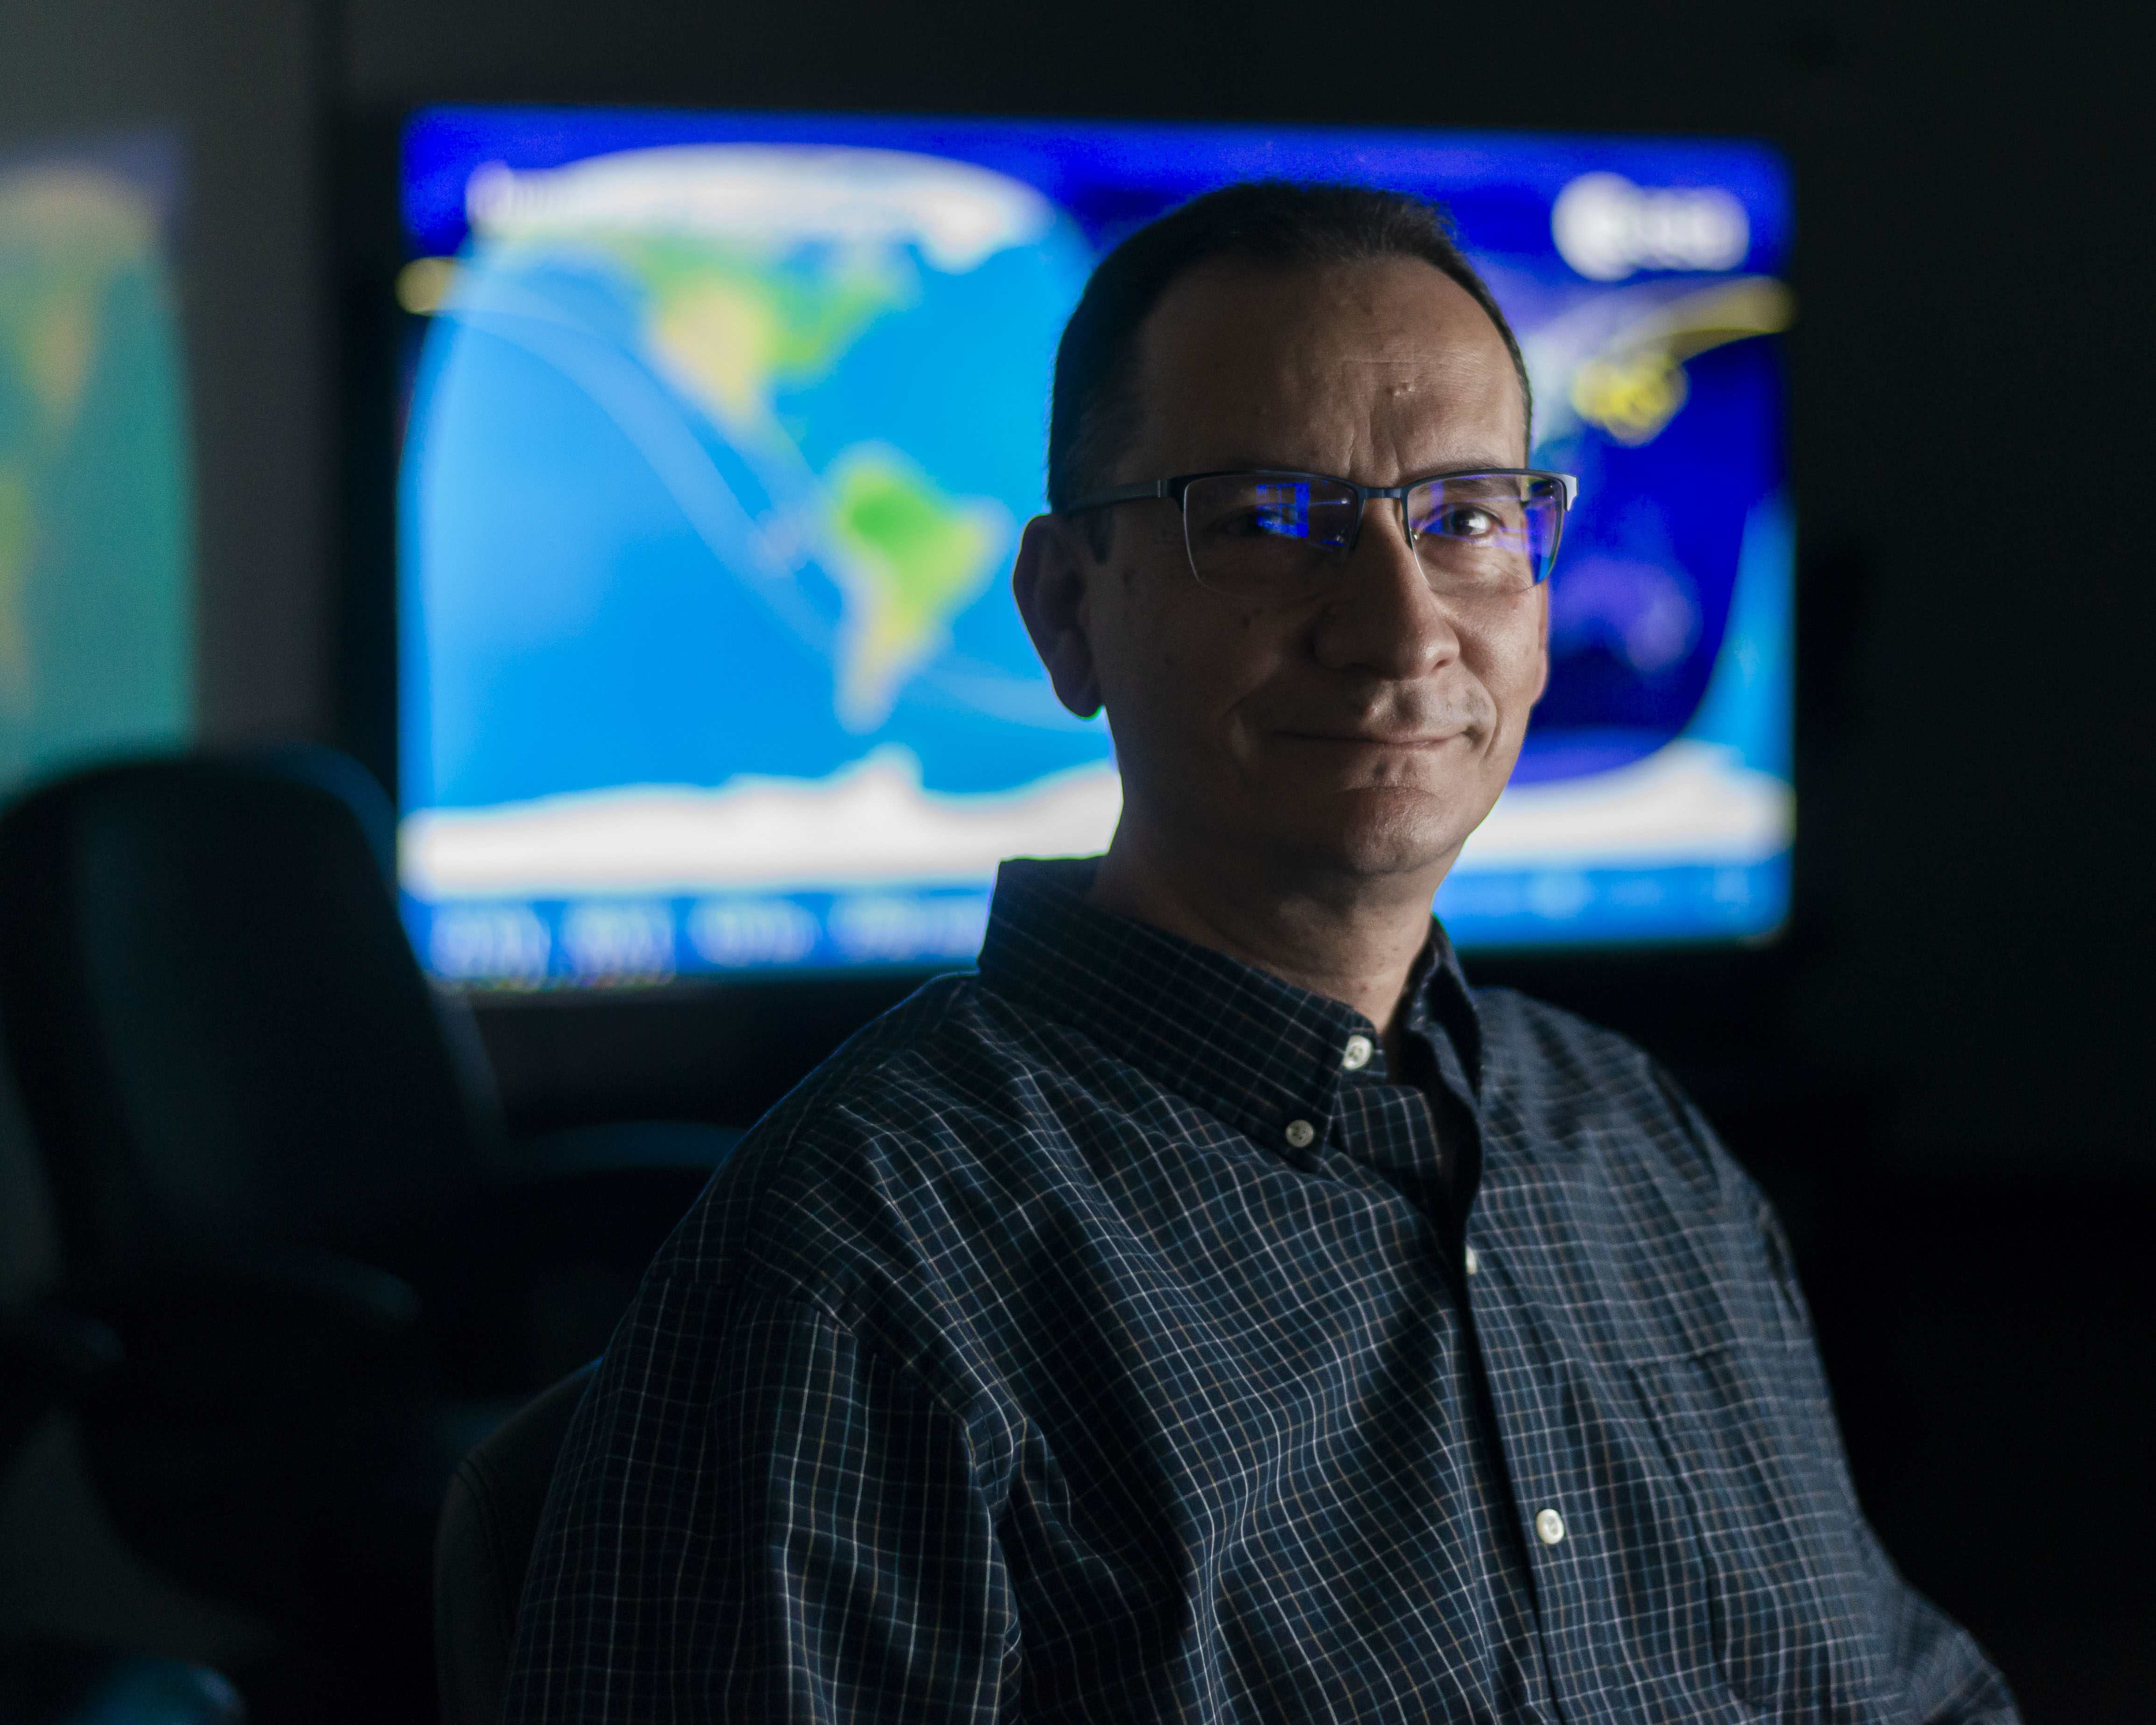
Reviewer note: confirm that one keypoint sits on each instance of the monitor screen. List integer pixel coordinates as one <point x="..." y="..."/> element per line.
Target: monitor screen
<point x="721" y="434"/>
<point x="97" y="593"/>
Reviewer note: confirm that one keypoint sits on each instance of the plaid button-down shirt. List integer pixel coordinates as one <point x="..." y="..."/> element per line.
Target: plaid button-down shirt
<point x="1110" y="1335"/>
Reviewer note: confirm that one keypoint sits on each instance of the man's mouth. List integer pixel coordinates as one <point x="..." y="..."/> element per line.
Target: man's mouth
<point x="1378" y="739"/>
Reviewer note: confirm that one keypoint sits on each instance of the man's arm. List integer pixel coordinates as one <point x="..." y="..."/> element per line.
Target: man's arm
<point x="1948" y="1679"/>
<point x="757" y="1518"/>
<point x="1939" y="1668"/>
<point x="1942" y="1677"/>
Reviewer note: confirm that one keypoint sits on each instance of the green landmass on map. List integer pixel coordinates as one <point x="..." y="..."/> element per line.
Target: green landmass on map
<point x="913" y="560"/>
<point x="734" y="328"/>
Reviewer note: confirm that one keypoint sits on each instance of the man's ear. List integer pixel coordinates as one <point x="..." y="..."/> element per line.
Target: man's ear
<point x="1050" y="585"/>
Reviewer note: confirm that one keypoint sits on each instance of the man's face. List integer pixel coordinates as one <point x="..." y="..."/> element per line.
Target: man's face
<point x="1366" y="731"/>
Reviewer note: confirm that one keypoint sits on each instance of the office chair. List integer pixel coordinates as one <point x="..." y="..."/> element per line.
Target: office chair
<point x="490" y="1518"/>
<point x="48" y="1355"/>
<point x="279" y="1177"/>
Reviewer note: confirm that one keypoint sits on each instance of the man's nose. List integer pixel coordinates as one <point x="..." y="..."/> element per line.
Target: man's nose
<point x="1383" y="616"/>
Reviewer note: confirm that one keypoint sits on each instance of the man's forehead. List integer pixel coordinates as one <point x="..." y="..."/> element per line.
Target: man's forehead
<point x="1382" y="311"/>
<point x="1392" y="338"/>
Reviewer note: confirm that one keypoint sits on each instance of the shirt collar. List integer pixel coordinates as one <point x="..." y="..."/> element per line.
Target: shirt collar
<point x="1261" y="1054"/>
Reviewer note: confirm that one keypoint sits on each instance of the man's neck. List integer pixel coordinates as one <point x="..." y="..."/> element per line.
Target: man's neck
<point x="1355" y="942"/>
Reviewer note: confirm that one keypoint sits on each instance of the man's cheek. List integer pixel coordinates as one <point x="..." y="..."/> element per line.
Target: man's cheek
<point x="1539" y="675"/>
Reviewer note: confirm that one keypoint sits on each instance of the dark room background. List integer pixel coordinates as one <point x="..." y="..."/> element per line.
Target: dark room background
<point x="1939" y="1071"/>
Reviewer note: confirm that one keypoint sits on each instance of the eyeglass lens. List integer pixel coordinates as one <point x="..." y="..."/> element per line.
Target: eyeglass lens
<point x="1267" y="535"/>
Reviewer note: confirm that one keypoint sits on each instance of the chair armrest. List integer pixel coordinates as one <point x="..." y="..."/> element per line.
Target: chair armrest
<point x="51" y="1344"/>
<point x="255" y="1333"/>
<point x="47" y="1353"/>
<point x="617" y="1148"/>
<point x="359" y="1296"/>
<point x="609" y="1189"/>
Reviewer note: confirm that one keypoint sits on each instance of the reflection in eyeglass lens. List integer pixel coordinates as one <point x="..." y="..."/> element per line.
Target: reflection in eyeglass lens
<point x="1474" y="534"/>
<point x="1489" y="531"/>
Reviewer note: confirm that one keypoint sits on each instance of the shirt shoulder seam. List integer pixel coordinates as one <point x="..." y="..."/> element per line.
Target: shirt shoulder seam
<point x="766" y="1281"/>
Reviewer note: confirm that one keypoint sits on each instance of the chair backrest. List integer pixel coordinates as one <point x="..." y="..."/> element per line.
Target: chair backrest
<point x="484" y="1546"/>
<point x="222" y="1038"/>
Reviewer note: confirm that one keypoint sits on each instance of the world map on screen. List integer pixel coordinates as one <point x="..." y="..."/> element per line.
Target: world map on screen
<point x="717" y="458"/>
<point x="740" y="324"/>
<point x="708" y="342"/>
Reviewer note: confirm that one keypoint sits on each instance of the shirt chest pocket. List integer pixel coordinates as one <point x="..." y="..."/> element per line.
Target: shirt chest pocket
<point x="1747" y="1439"/>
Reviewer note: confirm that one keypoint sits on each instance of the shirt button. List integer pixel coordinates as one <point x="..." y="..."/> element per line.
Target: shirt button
<point x="1549" y="1526"/>
<point x="1300" y="1132"/>
<point x="1473" y="1260"/>
<point x="1357" y="1055"/>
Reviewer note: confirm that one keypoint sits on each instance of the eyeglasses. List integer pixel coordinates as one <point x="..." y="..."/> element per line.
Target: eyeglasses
<point x="1278" y="535"/>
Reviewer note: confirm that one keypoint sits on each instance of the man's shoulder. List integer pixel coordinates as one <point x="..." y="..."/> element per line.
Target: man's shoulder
<point x="869" y="1164"/>
<point x="1558" y="1089"/>
<point x="1530" y="1045"/>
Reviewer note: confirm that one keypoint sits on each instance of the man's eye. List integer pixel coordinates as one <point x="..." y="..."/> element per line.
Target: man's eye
<point x="1465" y="521"/>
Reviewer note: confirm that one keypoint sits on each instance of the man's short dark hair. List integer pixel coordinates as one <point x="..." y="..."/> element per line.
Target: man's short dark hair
<point x="1093" y="415"/>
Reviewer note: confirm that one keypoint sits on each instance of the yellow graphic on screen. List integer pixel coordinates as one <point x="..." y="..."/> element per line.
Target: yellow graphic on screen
<point x="1634" y="387"/>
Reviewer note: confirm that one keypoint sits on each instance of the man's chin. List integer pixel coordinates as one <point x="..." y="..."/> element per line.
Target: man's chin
<point x="1384" y="833"/>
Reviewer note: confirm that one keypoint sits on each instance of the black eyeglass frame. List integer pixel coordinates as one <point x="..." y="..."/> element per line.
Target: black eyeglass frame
<point x="1173" y="487"/>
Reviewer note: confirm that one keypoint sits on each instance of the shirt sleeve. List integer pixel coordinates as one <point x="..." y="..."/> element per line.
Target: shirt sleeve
<point x="1936" y="1665"/>
<point x="756" y="1517"/>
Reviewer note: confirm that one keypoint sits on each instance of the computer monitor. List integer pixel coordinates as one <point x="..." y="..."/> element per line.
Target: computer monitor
<point x="97" y="591"/>
<point x="720" y="435"/>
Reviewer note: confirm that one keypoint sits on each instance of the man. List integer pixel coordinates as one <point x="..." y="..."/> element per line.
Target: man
<point x="1212" y="1310"/>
